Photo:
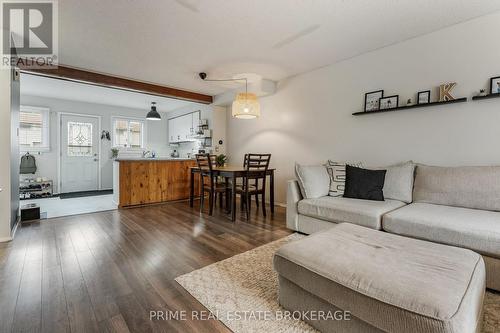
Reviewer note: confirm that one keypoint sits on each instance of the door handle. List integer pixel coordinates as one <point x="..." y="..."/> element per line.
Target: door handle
<point x="96" y="159"/>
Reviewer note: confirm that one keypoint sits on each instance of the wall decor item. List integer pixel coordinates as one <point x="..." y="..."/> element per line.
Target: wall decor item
<point x="409" y="101"/>
<point x="389" y="102"/>
<point x="105" y="135"/>
<point x="372" y="100"/>
<point x="482" y="92"/>
<point x="495" y="85"/>
<point x="424" y="97"/>
<point x="445" y="91"/>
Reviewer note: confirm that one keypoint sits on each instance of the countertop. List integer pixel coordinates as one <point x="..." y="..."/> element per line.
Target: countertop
<point x="148" y="159"/>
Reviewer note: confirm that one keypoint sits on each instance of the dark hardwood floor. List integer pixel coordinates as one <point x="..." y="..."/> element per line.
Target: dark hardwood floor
<point x="105" y="272"/>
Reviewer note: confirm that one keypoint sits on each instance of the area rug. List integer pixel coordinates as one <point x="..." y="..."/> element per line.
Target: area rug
<point x="242" y="292"/>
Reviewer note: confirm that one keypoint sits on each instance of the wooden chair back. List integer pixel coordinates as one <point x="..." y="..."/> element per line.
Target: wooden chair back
<point x="256" y="162"/>
<point x="206" y="163"/>
<point x="256" y="166"/>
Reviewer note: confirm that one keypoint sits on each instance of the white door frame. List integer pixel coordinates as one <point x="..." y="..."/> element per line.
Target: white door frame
<point x="59" y="133"/>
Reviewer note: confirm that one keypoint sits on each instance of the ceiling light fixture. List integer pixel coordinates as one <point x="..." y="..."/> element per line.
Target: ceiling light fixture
<point x="245" y="105"/>
<point x="153" y="114"/>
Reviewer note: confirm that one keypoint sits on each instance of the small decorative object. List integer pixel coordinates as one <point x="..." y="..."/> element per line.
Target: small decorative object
<point x="424" y="97"/>
<point x="114" y="152"/>
<point x="409" y="102"/>
<point x="372" y="100"/>
<point x="482" y="92"/>
<point x="389" y="102"/>
<point x="105" y="135"/>
<point x="220" y="160"/>
<point x="445" y="91"/>
<point x="495" y="85"/>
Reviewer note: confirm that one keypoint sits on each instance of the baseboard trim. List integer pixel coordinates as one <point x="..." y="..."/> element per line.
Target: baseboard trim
<point x="279" y="204"/>
<point x="12" y="233"/>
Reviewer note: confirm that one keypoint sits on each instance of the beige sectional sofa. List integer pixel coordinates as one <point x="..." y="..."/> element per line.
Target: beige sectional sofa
<point x="458" y="206"/>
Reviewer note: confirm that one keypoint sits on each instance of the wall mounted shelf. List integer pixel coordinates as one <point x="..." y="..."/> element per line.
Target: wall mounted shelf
<point x="415" y="106"/>
<point x="475" y="98"/>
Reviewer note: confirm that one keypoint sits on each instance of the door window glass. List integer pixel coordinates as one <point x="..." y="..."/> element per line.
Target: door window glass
<point x="79" y="139"/>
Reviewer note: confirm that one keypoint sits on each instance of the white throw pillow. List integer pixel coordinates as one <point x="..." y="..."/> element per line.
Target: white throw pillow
<point x="314" y="181"/>
<point x="336" y="171"/>
<point x="398" y="183"/>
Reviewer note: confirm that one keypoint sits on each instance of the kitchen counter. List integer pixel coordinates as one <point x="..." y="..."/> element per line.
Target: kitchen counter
<point x="150" y="159"/>
<point x="138" y="181"/>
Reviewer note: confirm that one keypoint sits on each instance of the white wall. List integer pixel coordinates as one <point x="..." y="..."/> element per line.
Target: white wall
<point x="156" y="133"/>
<point x="5" y="149"/>
<point x="219" y="129"/>
<point x="309" y="119"/>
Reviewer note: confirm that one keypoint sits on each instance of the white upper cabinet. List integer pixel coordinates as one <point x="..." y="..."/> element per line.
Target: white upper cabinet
<point x="183" y="128"/>
<point x="172" y="136"/>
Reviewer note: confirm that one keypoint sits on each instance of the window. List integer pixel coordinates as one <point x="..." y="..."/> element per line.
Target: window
<point x="34" y="128"/>
<point x="79" y="139"/>
<point x="128" y="133"/>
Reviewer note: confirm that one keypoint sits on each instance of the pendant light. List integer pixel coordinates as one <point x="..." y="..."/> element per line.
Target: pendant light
<point x="153" y="114"/>
<point x="245" y="105"/>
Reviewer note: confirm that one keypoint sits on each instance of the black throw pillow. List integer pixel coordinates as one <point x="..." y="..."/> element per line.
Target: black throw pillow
<point x="364" y="184"/>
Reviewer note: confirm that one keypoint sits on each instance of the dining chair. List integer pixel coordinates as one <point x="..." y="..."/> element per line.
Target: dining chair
<point x="256" y="166"/>
<point x="209" y="182"/>
<point x="255" y="184"/>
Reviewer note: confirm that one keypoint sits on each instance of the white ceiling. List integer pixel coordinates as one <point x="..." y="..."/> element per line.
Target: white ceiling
<point x="47" y="87"/>
<point x="169" y="41"/>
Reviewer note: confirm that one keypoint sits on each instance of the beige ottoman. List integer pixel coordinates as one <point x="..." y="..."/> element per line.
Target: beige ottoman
<point x="388" y="283"/>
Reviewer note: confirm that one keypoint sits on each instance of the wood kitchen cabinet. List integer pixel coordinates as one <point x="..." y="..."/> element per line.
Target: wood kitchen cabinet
<point x="145" y="181"/>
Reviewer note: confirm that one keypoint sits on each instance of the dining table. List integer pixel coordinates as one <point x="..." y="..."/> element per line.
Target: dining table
<point x="232" y="172"/>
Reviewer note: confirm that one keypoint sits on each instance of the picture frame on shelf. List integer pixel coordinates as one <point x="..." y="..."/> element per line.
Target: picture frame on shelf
<point x="424" y="97"/>
<point x="389" y="102"/>
<point x="495" y="85"/>
<point x="372" y="100"/>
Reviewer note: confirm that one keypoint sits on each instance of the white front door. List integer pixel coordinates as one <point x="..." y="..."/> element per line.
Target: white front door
<point x="79" y="153"/>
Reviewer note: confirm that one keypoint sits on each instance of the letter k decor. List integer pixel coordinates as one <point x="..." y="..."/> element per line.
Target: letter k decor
<point x="445" y="91"/>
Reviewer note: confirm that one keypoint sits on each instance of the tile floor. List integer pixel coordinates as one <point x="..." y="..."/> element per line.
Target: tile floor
<point x="56" y="207"/>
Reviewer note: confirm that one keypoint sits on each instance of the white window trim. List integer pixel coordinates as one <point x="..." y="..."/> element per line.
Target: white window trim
<point x="45" y="130"/>
<point x="144" y="132"/>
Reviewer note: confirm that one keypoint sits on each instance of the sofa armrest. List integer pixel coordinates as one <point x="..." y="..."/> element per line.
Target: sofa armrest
<point x="293" y="196"/>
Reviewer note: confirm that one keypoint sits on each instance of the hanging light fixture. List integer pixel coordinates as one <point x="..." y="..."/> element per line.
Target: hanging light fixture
<point x="245" y="105"/>
<point x="153" y="114"/>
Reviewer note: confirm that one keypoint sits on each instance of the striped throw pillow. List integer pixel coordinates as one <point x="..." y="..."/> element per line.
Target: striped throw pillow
<point x="336" y="171"/>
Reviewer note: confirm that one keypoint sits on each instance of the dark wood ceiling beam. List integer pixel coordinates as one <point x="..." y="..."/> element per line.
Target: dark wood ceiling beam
<point x="105" y="80"/>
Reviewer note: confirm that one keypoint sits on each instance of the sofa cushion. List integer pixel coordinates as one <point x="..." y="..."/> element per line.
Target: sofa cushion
<point x="478" y="230"/>
<point x="394" y="283"/>
<point x="314" y="181"/>
<point x="336" y="170"/>
<point x="399" y="179"/>
<point x="364" y="183"/>
<point x="469" y="187"/>
<point x="339" y="209"/>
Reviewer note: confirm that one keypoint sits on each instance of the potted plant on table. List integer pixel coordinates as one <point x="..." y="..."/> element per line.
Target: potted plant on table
<point x="220" y="160"/>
